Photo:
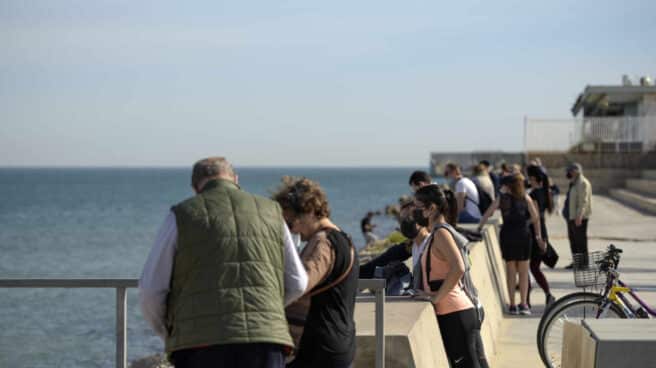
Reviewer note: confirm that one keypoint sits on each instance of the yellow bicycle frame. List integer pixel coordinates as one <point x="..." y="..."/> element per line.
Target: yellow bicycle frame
<point x="612" y="294"/>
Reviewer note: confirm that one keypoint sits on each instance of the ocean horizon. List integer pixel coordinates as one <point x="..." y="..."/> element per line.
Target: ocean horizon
<point x="86" y="222"/>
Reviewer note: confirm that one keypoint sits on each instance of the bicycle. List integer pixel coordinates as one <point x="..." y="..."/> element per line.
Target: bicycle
<point x="612" y="302"/>
<point x="585" y="278"/>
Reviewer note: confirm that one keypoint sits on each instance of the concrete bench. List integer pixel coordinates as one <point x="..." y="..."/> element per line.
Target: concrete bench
<point x="602" y="343"/>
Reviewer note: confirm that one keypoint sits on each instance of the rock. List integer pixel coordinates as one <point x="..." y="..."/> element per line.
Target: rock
<point x="153" y="361"/>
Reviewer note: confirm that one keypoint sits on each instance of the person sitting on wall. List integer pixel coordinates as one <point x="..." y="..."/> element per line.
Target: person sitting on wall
<point x="390" y="263"/>
<point x="466" y="194"/>
<point x="419" y="179"/>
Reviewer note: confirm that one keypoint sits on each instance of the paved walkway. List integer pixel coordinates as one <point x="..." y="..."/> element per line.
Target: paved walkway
<point x="611" y="222"/>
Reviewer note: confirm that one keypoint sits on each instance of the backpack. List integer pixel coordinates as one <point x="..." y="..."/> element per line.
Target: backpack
<point x="466" y="282"/>
<point x="484" y="199"/>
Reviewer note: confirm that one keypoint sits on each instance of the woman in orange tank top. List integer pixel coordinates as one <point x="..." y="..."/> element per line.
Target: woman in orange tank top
<point x="456" y="316"/>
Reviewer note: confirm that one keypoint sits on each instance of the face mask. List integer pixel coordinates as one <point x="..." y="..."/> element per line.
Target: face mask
<point x="296" y="238"/>
<point x="409" y="228"/>
<point x="418" y="214"/>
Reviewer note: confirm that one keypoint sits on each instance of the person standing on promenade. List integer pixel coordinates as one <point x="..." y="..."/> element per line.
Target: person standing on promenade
<point x="515" y="237"/>
<point x="493" y="176"/>
<point x="482" y="180"/>
<point x="543" y="201"/>
<point x="577" y="210"/>
<point x="442" y="268"/>
<point x="322" y="320"/>
<point x="419" y="179"/>
<point x="219" y="275"/>
<point x="466" y="194"/>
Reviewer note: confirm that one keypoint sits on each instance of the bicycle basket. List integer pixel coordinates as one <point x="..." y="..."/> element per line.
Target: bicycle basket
<point x="586" y="269"/>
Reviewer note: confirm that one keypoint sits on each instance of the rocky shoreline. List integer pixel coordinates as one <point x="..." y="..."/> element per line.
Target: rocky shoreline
<point x="153" y="361"/>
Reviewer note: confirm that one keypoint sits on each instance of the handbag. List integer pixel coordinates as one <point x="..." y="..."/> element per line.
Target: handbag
<point x="550" y="257"/>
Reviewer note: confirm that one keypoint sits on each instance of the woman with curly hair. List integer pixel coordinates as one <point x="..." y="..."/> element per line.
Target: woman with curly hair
<point x="321" y="322"/>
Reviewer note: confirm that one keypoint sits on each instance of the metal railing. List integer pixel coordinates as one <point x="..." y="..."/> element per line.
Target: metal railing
<point x="610" y="134"/>
<point x="121" y="286"/>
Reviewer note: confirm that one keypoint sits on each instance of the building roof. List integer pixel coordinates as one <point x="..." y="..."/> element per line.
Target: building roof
<point x="592" y="95"/>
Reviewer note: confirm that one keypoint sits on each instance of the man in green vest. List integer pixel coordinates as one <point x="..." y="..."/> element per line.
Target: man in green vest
<point x="219" y="275"/>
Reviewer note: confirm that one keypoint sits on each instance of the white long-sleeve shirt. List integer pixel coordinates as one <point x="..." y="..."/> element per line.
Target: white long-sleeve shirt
<point x="156" y="276"/>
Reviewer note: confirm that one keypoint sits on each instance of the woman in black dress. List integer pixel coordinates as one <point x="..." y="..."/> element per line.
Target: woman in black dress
<point x="518" y="212"/>
<point x="543" y="201"/>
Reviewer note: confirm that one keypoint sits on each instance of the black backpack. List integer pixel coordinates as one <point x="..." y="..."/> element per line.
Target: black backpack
<point x="484" y="199"/>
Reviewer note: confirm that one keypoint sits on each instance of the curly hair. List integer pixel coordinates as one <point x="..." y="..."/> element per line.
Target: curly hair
<point x="302" y="196"/>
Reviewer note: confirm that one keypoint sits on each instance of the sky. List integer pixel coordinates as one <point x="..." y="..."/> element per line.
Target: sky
<point x="299" y="83"/>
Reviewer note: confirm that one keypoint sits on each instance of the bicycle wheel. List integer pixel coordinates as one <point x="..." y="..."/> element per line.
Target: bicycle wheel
<point x="569" y="298"/>
<point x="551" y="344"/>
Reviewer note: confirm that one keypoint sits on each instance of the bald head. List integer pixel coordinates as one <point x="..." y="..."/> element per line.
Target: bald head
<point x="211" y="168"/>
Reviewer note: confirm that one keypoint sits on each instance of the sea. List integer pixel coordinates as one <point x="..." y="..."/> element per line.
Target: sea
<point x="101" y="223"/>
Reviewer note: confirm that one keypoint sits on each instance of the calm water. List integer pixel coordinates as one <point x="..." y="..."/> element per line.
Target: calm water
<point x="101" y="223"/>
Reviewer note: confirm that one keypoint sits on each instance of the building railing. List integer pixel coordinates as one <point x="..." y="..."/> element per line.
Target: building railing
<point x="608" y="134"/>
<point x="121" y="286"/>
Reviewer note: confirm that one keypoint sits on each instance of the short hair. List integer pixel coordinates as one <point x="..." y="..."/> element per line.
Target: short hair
<point x="453" y="167"/>
<point x="479" y="169"/>
<point x="575" y="166"/>
<point x="485" y="163"/>
<point x="302" y="196"/>
<point x="211" y="167"/>
<point x="419" y="177"/>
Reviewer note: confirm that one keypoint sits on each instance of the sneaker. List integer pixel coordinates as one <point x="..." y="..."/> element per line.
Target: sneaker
<point x="512" y="309"/>
<point x="524" y="310"/>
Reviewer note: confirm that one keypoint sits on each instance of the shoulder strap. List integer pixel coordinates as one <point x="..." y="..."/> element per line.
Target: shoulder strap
<point x="427" y="265"/>
<point x="342" y="276"/>
<point x="451" y="231"/>
<point x="477" y="191"/>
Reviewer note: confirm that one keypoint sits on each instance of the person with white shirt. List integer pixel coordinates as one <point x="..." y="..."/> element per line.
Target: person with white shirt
<point x="219" y="275"/>
<point x="466" y="195"/>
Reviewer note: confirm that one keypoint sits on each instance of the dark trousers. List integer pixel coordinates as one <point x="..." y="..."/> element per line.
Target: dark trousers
<point x="461" y="336"/>
<point x="231" y="356"/>
<point x="578" y="238"/>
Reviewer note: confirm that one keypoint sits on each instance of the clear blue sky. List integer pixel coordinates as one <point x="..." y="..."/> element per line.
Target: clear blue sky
<point x="277" y="83"/>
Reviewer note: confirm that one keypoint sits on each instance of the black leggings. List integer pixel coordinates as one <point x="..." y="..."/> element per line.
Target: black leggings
<point x="461" y="336"/>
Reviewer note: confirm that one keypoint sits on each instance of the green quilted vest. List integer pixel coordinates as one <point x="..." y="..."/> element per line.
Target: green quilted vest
<point x="227" y="283"/>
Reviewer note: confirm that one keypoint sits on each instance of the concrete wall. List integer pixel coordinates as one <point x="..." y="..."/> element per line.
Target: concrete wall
<point x="602" y="180"/>
<point x="606" y="343"/>
<point x="647" y="106"/>
<point x="598" y="160"/>
<point x="412" y="336"/>
<point x="467" y="160"/>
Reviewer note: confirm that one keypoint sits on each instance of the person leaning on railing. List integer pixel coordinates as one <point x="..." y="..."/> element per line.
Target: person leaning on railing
<point x="221" y="270"/>
<point x="321" y="322"/>
<point x="442" y="269"/>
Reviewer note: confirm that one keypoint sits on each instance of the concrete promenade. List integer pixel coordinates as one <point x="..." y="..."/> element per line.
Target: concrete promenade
<point x="611" y="222"/>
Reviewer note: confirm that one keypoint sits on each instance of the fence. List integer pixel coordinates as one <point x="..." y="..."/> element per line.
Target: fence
<point x="598" y="134"/>
<point x="121" y="286"/>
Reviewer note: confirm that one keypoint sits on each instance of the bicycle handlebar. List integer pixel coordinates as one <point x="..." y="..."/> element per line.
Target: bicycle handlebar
<point x="612" y="258"/>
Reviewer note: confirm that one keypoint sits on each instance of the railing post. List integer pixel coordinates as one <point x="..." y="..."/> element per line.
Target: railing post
<point x="380" y="328"/>
<point x="121" y="327"/>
